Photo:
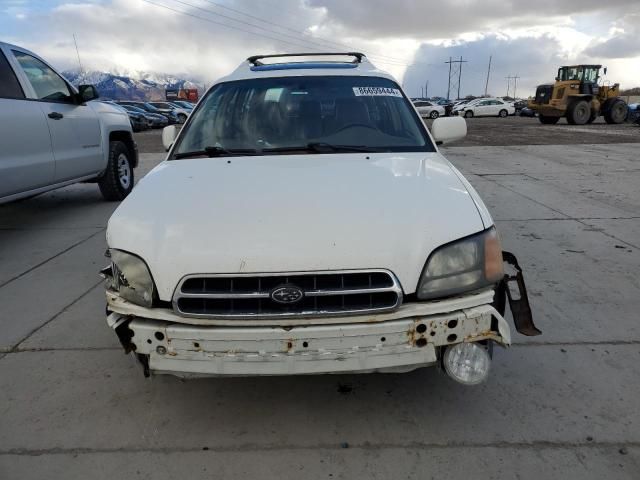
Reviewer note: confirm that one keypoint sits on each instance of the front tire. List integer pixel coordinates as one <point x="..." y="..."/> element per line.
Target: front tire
<point x="468" y="114"/>
<point x="434" y="114"/>
<point x="503" y="113"/>
<point x="579" y="112"/>
<point x="182" y="118"/>
<point x="548" y="120"/>
<point x="117" y="181"/>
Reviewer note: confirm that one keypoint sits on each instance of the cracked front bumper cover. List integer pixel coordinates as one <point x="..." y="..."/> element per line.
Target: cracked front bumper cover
<point x="409" y="338"/>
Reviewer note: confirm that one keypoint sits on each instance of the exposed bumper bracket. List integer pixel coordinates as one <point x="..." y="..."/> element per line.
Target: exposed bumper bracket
<point x="520" y="308"/>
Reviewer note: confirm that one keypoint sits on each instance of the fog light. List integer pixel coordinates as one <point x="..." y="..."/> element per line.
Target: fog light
<point x="467" y="363"/>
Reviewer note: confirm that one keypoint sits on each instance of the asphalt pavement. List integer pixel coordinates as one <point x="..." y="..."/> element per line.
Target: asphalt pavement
<point x="562" y="405"/>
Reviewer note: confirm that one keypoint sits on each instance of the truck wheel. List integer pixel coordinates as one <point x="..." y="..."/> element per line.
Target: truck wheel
<point x="503" y="113"/>
<point x="434" y="114"/>
<point x="548" y="120"/>
<point x="578" y="112"/>
<point x="468" y="114"/>
<point x="615" y="112"/>
<point x="117" y="181"/>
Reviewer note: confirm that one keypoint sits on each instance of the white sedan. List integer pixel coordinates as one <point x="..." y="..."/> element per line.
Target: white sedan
<point x="490" y="107"/>
<point x="428" y="109"/>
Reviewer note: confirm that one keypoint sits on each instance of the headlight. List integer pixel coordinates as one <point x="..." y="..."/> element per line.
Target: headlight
<point x="461" y="266"/>
<point x="131" y="278"/>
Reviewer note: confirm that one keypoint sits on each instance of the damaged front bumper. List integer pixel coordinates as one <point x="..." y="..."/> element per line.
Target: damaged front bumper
<point x="410" y="337"/>
<point x="403" y="340"/>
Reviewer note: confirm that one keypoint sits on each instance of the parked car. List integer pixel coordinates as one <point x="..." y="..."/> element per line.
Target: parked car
<point x="527" y="112"/>
<point x="633" y="113"/>
<point x="180" y="113"/>
<point x="459" y="106"/>
<point x="138" y="121"/>
<point x="170" y="114"/>
<point x="53" y="134"/>
<point x="305" y="222"/>
<point x="429" y="109"/>
<point x="487" y="107"/>
<point x="519" y="105"/>
<point x="154" y="120"/>
<point x="183" y="104"/>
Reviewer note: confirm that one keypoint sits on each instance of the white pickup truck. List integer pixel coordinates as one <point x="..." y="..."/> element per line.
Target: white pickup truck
<point x="305" y="222"/>
<point x="53" y="135"/>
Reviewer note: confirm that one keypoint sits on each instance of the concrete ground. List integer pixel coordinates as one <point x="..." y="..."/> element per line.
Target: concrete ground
<point x="562" y="405"/>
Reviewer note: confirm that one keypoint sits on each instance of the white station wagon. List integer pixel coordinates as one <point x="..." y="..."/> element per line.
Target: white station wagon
<point x="304" y="222"/>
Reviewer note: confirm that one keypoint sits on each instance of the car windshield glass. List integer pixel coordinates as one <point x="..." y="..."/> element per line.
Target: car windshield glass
<point x="270" y="115"/>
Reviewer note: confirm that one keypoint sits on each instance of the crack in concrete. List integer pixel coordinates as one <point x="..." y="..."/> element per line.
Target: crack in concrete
<point x="64" y="309"/>
<point x="71" y="247"/>
<point x="252" y="447"/>
<point x="569" y="217"/>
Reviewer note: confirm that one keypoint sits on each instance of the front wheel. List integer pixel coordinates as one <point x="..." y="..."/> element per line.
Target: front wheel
<point x="117" y="181"/>
<point x="182" y="118"/>
<point x="578" y="112"/>
<point x="434" y="114"/>
<point x="503" y="113"/>
<point x="468" y="114"/>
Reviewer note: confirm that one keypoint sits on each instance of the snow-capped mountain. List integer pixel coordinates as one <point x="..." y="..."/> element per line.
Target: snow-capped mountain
<point x="130" y="85"/>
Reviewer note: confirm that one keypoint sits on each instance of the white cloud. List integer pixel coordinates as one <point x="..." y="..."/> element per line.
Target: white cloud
<point x="525" y="38"/>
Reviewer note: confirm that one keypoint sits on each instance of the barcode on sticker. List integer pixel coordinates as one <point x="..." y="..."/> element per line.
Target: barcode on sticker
<point x="376" y="92"/>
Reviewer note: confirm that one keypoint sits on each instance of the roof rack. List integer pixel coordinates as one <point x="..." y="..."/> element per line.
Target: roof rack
<point x="255" y="60"/>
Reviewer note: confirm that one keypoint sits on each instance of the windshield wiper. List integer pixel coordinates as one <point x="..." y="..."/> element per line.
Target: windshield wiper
<point x="322" y="147"/>
<point x="215" y="152"/>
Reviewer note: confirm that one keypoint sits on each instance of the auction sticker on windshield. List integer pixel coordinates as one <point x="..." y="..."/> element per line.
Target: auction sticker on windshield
<point x="376" y="92"/>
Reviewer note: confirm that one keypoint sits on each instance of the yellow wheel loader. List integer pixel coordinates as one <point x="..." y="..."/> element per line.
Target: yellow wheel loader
<point x="578" y="96"/>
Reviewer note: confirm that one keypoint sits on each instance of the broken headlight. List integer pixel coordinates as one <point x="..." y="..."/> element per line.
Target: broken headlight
<point x="462" y="266"/>
<point x="131" y="278"/>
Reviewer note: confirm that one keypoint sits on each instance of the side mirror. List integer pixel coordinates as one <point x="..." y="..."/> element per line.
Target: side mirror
<point x="88" y="93"/>
<point x="169" y="135"/>
<point x="448" y="129"/>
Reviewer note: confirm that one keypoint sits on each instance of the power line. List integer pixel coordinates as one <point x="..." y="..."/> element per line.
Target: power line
<point x="299" y="32"/>
<point x="306" y="43"/>
<point x="78" y="53"/>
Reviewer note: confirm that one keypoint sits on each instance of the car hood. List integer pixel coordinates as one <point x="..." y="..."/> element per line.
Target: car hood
<point x="291" y="213"/>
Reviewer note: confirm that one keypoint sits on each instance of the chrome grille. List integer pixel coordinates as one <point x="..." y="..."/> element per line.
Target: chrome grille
<point x="323" y="294"/>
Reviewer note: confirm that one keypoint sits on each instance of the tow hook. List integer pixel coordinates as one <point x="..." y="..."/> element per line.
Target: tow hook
<point x="520" y="308"/>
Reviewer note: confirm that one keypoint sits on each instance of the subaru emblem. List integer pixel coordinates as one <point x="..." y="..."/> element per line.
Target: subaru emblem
<point x="287" y="294"/>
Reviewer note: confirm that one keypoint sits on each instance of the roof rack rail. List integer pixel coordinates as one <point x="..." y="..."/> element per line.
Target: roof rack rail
<point x="255" y="59"/>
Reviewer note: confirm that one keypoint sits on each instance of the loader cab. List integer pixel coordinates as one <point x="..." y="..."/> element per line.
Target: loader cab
<point x="583" y="79"/>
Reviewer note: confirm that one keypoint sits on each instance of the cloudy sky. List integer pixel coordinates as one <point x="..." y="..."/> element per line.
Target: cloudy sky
<point x="205" y="39"/>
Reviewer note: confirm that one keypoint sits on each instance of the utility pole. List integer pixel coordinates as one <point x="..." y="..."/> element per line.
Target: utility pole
<point x="78" y="53"/>
<point x="515" y="83"/>
<point x="426" y="89"/>
<point x="421" y="92"/>
<point x="486" y="85"/>
<point x="449" y="84"/>
<point x="457" y="69"/>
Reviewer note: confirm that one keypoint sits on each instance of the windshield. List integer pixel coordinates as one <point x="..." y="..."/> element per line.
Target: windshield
<point x="266" y="114"/>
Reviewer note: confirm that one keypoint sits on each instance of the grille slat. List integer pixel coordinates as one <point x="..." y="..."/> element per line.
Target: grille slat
<point x="324" y="294"/>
